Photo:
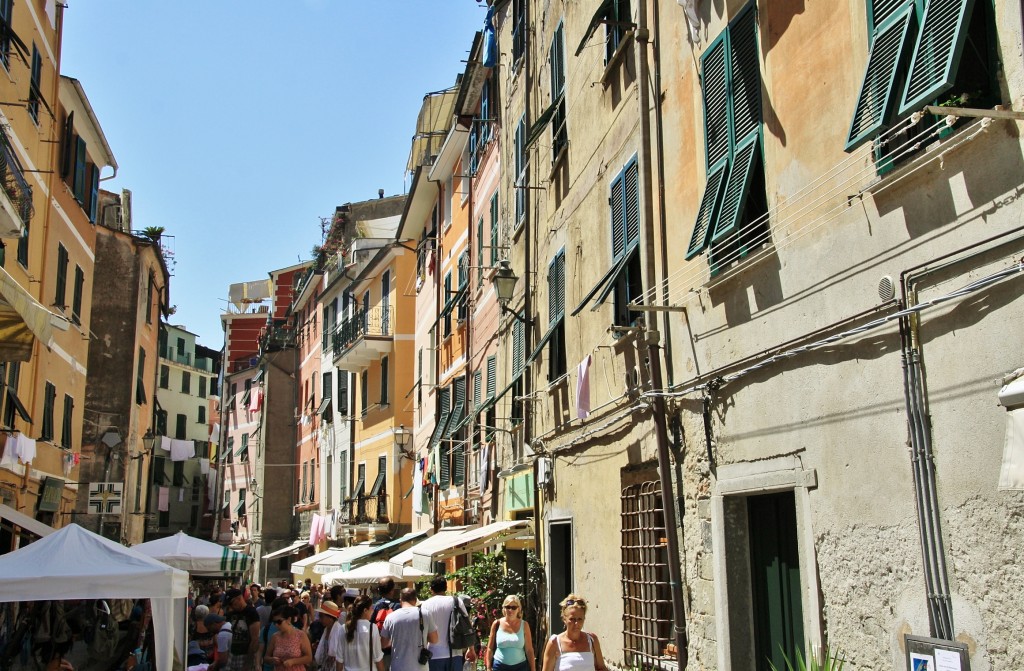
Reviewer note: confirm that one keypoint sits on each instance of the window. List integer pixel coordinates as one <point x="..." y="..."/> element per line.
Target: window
<point x="202" y="386"/>
<point x="494" y="231"/>
<point x="619" y="22"/>
<point x="343" y="382"/>
<point x="213" y="386"/>
<point x="177" y="473"/>
<point x="23" y="247"/>
<point x="364" y="383"/>
<point x="385" y="303"/>
<point x="12" y="404"/>
<point x="478" y="381"/>
<point x="201" y="415"/>
<point x="518" y="364"/>
<point x="492" y="376"/>
<point x="384" y="371"/>
<point x="179" y="426"/>
<point x="305" y="480"/>
<point x="443" y="415"/>
<point x="60" y="292"/>
<point x="34" y="90"/>
<point x="6" y="10"/>
<point x="555" y="335"/>
<point x="449" y="452"/>
<point x="76" y="298"/>
<point x="69" y="412"/>
<point x="149" y="299"/>
<point x="49" y="399"/>
<point x="732" y="216"/>
<point x="81" y="163"/>
<point x="446" y="312"/>
<point x="520" y="161"/>
<point x="518" y="33"/>
<point x="480" y="252"/>
<point x="186" y="382"/>
<point x="463" y="307"/>
<point x="165" y="377"/>
<point x="559" y="132"/>
<point x="159" y="477"/>
<point x="243" y="451"/>
<point x="140" y="380"/>
<point x="920" y="51"/>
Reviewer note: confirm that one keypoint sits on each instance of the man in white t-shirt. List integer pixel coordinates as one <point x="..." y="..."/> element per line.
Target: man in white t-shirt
<point x="439" y="607"/>
<point x="408" y="630"/>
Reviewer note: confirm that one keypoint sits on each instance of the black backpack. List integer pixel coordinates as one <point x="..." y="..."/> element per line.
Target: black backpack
<point x="461" y="632"/>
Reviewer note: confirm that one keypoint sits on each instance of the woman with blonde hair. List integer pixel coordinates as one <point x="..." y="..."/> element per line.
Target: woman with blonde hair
<point x="573" y="649"/>
<point x="510" y="647"/>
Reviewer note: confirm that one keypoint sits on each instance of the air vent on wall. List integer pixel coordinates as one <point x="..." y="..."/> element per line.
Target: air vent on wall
<point x="886" y="288"/>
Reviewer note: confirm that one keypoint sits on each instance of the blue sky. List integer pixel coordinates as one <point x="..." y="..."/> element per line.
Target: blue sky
<point x="236" y="125"/>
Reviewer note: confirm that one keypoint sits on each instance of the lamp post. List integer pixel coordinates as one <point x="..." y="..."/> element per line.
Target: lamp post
<point x="403" y="437"/>
<point x="504" y="286"/>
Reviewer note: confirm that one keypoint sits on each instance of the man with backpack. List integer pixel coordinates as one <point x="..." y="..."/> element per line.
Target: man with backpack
<point x="383" y="606"/>
<point x="455" y="633"/>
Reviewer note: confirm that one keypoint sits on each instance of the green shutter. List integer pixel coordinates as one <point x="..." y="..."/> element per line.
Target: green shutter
<point x="480" y="251"/>
<point x="744" y="77"/>
<point x="875" y="99"/>
<point x="937" y="52"/>
<point x="94" y="193"/>
<point x="736" y="189"/>
<point x="618" y="231"/>
<point x="478" y="379"/>
<point x="60" y="293"/>
<point x="631" y="203"/>
<point x="494" y="230"/>
<point x="556" y="288"/>
<point x="80" y="175"/>
<point x="712" y="190"/>
<point x="459" y="463"/>
<point x="716" y="96"/>
<point x="444" y="408"/>
<point x="492" y="376"/>
<point x="881" y="10"/>
<point x="518" y="348"/>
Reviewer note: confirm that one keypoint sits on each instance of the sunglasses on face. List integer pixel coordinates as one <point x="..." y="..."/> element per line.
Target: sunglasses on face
<point x="511" y="607"/>
<point x="278" y="622"/>
<point x="575" y="602"/>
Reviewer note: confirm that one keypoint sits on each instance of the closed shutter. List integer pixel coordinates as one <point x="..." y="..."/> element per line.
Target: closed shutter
<point x="937" y="52"/>
<point x="518" y="348"/>
<point x="480" y="251"/>
<point x="874" y="101"/>
<point x="494" y="230"/>
<point x="478" y="380"/>
<point x="68" y="157"/>
<point x="492" y="376"/>
<point x="556" y="288"/>
<point x="94" y="193"/>
<point x="618" y="231"/>
<point x="456" y="450"/>
<point x="631" y="203"/>
<point x="60" y="294"/>
<point x="80" y="176"/>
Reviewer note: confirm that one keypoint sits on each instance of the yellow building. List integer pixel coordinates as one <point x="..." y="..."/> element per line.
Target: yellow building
<point x="54" y="151"/>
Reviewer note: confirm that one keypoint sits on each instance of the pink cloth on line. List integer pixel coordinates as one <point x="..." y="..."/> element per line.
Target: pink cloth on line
<point x="583" y="388"/>
<point x="163" y="499"/>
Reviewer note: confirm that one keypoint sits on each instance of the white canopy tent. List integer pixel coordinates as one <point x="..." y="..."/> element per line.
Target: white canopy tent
<point x="73" y="563"/>
<point x="371" y="573"/>
<point x="198" y="557"/>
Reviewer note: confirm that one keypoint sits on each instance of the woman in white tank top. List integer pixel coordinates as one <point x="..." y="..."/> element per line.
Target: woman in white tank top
<point x="573" y="649"/>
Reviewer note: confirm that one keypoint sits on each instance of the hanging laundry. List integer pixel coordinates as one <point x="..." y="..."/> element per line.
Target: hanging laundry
<point x="215" y="433"/>
<point x="211" y="489"/>
<point x="692" y="20"/>
<point x="181" y="494"/>
<point x="490" y="40"/>
<point x="204" y="466"/>
<point x="417" y="488"/>
<point x="182" y="450"/>
<point x="69" y="463"/>
<point x="485" y="471"/>
<point x="10" y="456"/>
<point x="583" y="388"/>
<point x="26" y="448"/>
<point x="163" y="499"/>
<point x="165" y="443"/>
<point x="257" y="400"/>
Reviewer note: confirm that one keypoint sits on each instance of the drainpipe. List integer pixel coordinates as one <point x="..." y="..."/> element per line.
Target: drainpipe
<point x="652" y="338"/>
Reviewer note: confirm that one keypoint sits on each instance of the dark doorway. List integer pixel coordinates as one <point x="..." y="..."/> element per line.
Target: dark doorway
<point x="560" y="569"/>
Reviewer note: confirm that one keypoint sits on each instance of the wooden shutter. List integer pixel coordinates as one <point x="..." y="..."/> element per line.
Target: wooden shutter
<point x="737" y="188"/>
<point x="94" y="192"/>
<point x="518" y="348"/>
<point x="631" y="203"/>
<point x="716" y="95"/>
<point x="712" y="190"/>
<point x="492" y="376"/>
<point x="937" y="52"/>
<point x="68" y="158"/>
<point x="556" y="288"/>
<point x="69" y="410"/>
<point x="478" y="380"/>
<point x="80" y="176"/>
<point x="60" y="293"/>
<point x="874" y="101"/>
<point x="480" y="250"/>
<point x="494" y="230"/>
<point x="618" y="230"/>
<point x="744" y="77"/>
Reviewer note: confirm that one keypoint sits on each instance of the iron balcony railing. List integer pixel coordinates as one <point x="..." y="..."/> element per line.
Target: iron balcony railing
<point x="367" y="510"/>
<point x="13" y="179"/>
<point x="277" y="338"/>
<point x="373" y="322"/>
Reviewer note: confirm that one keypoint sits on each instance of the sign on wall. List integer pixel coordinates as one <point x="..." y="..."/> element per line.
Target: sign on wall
<point x="105" y="497"/>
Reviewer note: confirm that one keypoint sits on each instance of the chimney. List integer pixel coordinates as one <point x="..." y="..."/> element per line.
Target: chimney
<point x="380" y="193"/>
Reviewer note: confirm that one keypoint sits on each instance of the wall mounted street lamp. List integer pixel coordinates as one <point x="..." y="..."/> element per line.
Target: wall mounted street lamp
<point x="403" y="437"/>
<point x="504" y="286"/>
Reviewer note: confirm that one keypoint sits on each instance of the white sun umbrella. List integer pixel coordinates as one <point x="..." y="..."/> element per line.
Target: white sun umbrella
<point x="369" y="574"/>
<point x="195" y="555"/>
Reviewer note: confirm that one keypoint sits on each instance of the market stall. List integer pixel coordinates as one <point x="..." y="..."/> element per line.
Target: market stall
<point x="73" y="563"/>
<point x="364" y="576"/>
<point x="195" y="555"/>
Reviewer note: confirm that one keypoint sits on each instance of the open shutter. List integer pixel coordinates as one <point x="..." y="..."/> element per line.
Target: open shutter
<point x="556" y="288"/>
<point x="631" y="206"/>
<point x="456" y="448"/>
<point x="712" y="190"/>
<point x="618" y="230"/>
<point x="94" y="193"/>
<point x="937" y="52"/>
<point x="478" y="383"/>
<point x="875" y="99"/>
<point x="494" y="230"/>
<point x="492" y="376"/>
<point x="737" y="188"/>
<point x="68" y="159"/>
<point x="80" y="175"/>
<point x="744" y="77"/>
<point x="716" y="139"/>
<point x="518" y="348"/>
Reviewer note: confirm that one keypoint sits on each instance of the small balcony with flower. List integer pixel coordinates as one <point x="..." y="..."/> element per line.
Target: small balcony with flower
<point x="16" y="194"/>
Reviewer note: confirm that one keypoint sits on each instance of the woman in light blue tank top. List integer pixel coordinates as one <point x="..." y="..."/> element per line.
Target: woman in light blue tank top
<point x="574" y="649"/>
<point x="510" y="647"/>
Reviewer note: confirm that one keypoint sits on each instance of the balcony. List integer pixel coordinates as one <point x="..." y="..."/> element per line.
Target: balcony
<point x="277" y="338"/>
<point x="364" y="337"/>
<point x="366" y="510"/>
<point x="16" y="195"/>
